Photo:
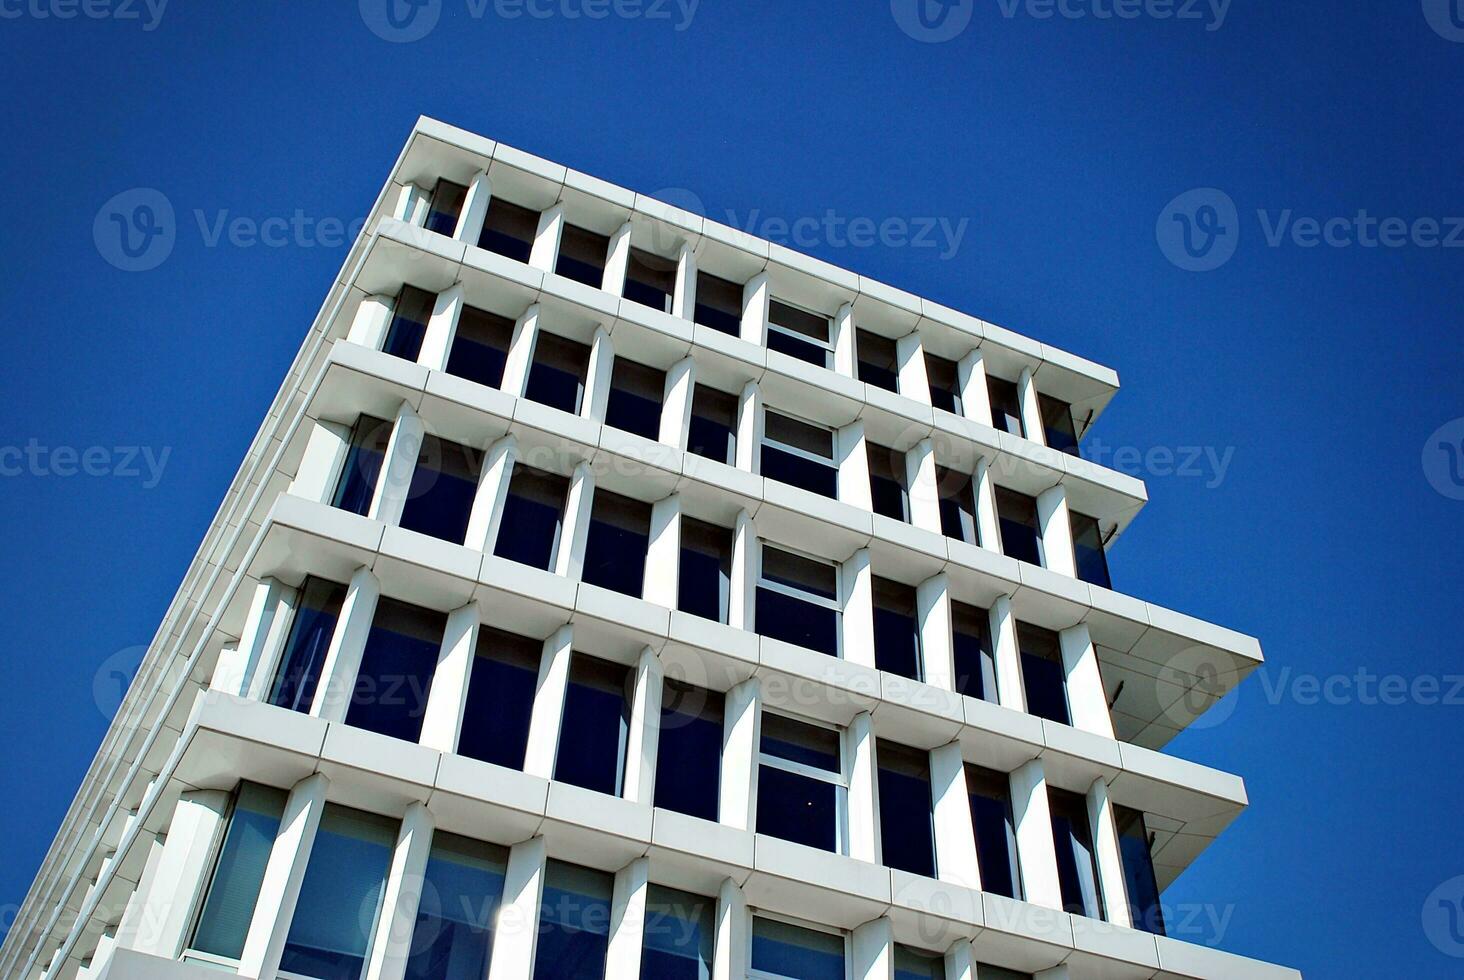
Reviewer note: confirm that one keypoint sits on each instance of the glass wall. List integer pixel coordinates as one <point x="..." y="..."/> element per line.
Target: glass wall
<point x="233" y="892"/>
<point x="460" y="896"/>
<point x="680" y="932"/>
<point x="574" y="923"/>
<point x="782" y="950"/>
<point x="317" y="610"/>
<point x="340" y="899"/>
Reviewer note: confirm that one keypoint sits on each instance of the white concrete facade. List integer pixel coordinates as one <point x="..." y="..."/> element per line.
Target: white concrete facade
<point x="123" y="895"/>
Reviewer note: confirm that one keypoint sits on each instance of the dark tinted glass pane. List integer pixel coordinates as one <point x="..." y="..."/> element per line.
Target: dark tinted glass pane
<point x="315" y="621"/>
<point x="799" y="471"/>
<point x="905" y="809"/>
<point x="996" y="838"/>
<point x="1076" y="871"/>
<point x="636" y="394"/>
<point x="915" y="965"/>
<point x="957" y="505"/>
<point x="447" y="204"/>
<point x="1092" y="558"/>
<point x="357" y="484"/>
<point x="797" y="808"/>
<point x="574" y="923"/>
<point x="557" y="376"/>
<point x="509" y="230"/>
<point x="713" y="432"/>
<point x="679" y="936"/>
<point x="945" y="387"/>
<point x="813" y="325"/>
<point x="340" y="899"/>
<point x="878" y="363"/>
<point x="896" y="629"/>
<point x="806" y="574"/>
<point x="1057" y="424"/>
<point x="789" y="951"/>
<point x="233" y="893"/>
<point x="615" y="549"/>
<point x="650" y="280"/>
<point x="718" y="304"/>
<point x="582" y="256"/>
<point x="810" y="438"/>
<point x="409" y="322"/>
<point x="596" y="722"/>
<point x="974" y="659"/>
<point x="454" y="932"/>
<point x="480" y="348"/>
<point x="797" y="741"/>
<point x="500" y="698"/>
<point x="1006" y="405"/>
<point x="390" y="693"/>
<point x="1021" y="535"/>
<point x="1043" y="677"/>
<point x="444" y="484"/>
<point x="782" y="617"/>
<point x="887" y="482"/>
<point x="689" y="754"/>
<point x="795" y="346"/>
<point x="1138" y="870"/>
<point x="704" y="583"/>
<point x="532" y="514"/>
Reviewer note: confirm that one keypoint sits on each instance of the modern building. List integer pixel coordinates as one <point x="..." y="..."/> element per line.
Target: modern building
<point x="610" y="593"/>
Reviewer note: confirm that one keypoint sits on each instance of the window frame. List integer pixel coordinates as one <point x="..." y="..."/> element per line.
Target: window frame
<point x="863" y="335"/>
<point x="958" y="405"/>
<point x="839" y="780"/>
<point x="487" y="229"/>
<point x="638" y="258"/>
<point x="881" y="587"/>
<point x="836" y="604"/>
<point x="1028" y="503"/>
<point x="559" y="347"/>
<point x="757" y="913"/>
<point x="831" y="461"/>
<point x="625" y="376"/>
<point x="699" y="305"/>
<point x="898" y="474"/>
<point x="826" y="345"/>
<point x="432" y="210"/>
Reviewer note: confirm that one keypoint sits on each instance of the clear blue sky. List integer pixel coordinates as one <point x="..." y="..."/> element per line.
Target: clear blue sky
<point x="1062" y="140"/>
